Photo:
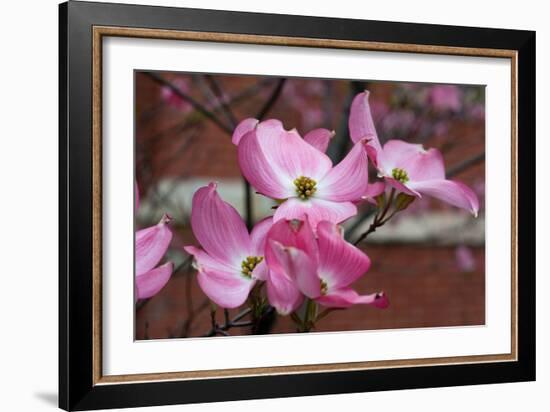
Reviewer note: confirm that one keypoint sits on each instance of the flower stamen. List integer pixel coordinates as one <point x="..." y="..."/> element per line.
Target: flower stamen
<point x="305" y="187"/>
<point x="249" y="264"/>
<point x="400" y="175"/>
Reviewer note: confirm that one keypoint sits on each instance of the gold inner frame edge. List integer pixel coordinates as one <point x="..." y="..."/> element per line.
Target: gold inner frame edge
<point x="98" y="32"/>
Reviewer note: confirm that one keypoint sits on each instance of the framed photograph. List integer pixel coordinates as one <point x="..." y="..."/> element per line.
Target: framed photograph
<point x="257" y="206"/>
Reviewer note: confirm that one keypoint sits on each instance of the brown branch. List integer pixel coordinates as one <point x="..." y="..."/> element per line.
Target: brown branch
<point x="272" y="99"/>
<point x="196" y="105"/>
<point x="458" y="168"/>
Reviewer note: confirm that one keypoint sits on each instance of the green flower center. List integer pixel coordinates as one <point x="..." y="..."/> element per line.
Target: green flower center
<point x="305" y="187"/>
<point x="400" y="175"/>
<point x="324" y="287"/>
<point x="249" y="264"/>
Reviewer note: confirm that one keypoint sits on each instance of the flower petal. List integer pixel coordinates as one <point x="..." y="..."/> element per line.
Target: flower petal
<point x="288" y="154"/>
<point x="349" y="179"/>
<point x="405" y="188"/>
<point x="316" y="210"/>
<point x="243" y="128"/>
<point x="260" y="271"/>
<point x="360" y="121"/>
<point x="151" y="245"/>
<point x="374" y="189"/>
<point x="219" y="228"/>
<point x="425" y="165"/>
<point x="340" y="263"/>
<point x="227" y="289"/>
<point x="346" y="297"/>
<point x="151" y="282"/>
<point x="319" y="138"/>
<point x="203" y="261"/>
<point x="396" y="154"/>
<point x="297" y="266"/>
<point x="295" y="233"/>
<point x="256" y="168"/>
<point x="282" y="293"/>
<point x="452" y="192"/>
<point x="259" y="234"/>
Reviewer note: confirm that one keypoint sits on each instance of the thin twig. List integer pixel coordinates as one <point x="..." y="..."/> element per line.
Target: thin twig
<point x="228" y="324"/>
<point x="456" y="169"/>
<point x="272" y="99"/>
<point x="196" y="105"/>
<point x="216" y="88"/>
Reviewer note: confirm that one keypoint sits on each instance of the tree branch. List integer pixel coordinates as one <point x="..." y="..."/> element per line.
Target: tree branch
<point x="196" y="105"/>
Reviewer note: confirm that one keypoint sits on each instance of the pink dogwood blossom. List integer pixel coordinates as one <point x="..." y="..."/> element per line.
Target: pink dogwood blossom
<point x="321" y="268"/>
<point x="295" y="171"/>
<point x="408" y="167"/>
<point x="173" y="99"/>
<point x="151" y="246"/>
<point x="230" y="260"/>
<point x="445" y="97"/>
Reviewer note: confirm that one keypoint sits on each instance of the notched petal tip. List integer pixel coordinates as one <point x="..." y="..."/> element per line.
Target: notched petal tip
<point x="165" y="219"/>
<point x="243" y="128"/>
<point x="381" y="301"/>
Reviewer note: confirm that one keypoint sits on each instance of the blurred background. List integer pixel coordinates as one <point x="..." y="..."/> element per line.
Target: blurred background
<point x="429" y="259"/>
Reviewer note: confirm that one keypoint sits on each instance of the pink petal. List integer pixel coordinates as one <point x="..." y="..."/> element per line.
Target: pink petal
<point x="297" y="265"/>
<point x="340" y="263"/>
<point x="319" y="138"/>
<point x="259" y="235"/>
<point x="282" y="293"/>
<point x="452" y="192"/>
<point x="219" y="228"/>
<point x="227" y="289"/>
<point x="243" y="128"/>
<point x="316" y="210"/>
<point x="405" y="188"/>
<point x="397" y="154"/>
<point x="257" y="169"/>
<point x="346" y="297"/>
<point x="151" y="245"/>
<point x="260" y="271"/>
<point x="360" y="121"/>
<point x="203" y="261"/>
<point x="349" y="179"/>
<point x="288" y="154"/>
<point x="151" y="282"/>
<point x="425" y="165"/>
<point x="373" y="190"/>
<point x="295" y="233"/>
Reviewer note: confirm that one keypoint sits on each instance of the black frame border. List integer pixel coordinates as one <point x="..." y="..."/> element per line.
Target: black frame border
<point x="76" y="386"/>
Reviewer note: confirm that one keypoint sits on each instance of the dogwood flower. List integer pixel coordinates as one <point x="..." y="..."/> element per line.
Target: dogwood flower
<point x="408" y="167"/>
<point x="321" y="268"/>
<point x="295" y="171"/>
<point x="151" y="245"/>
<point x="230" y="260"/>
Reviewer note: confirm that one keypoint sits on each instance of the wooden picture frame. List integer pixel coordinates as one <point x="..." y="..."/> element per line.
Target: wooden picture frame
<point x="82" y="385"/>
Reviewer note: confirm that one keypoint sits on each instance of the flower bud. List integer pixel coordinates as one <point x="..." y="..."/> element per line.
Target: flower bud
<point x="402" y="201"/>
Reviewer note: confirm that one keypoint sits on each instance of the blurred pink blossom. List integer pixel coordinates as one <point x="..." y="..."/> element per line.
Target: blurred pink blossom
<point x="465" y="259"/>
<point x="477" y="111"/>
<point x="445" y="98"/>
<point x="170" y="97"/>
